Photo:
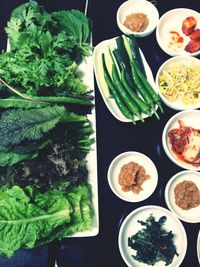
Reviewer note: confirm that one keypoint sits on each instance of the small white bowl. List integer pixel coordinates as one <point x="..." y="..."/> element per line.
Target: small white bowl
<point x="172" y="21"/>
<point x="186" y="60"/>
<point x="137" y="6"/>
<point x="190" y="118"/>
<point x="148" y="186"/>
<point x="198" y="246"/>
<point x="192" y="215"/>
<point x="131" y="226"/>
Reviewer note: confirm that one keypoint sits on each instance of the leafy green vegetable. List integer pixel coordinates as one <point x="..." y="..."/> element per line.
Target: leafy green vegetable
<point x="28" y="101"/>
<point x="153" y="243"/>
<point x="21" y="153"/>
<point x="29" y="219"/>
<point x="61" y="162"/>
<point x="76" y="24"/>
<point x="44" y="194"/>
<point x="11" y="102"/>
<point x="17" y="125"/>
<point x="45" y="51"/>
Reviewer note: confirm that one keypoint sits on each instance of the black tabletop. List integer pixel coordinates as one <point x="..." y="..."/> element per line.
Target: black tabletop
<point x="113" y="138"/>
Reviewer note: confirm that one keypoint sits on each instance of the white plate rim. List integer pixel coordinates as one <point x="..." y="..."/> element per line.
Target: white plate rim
<point x="153" y="183"/>
<point x="198" y="246"/>
<point x="167" y="188"/>
<point x="164" y="212"/>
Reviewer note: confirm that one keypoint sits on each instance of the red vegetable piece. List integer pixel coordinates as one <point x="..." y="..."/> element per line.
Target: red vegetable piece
<point x="195" y="35"/>
<point x="192" y="46"/>
<point x="188" y="25"/>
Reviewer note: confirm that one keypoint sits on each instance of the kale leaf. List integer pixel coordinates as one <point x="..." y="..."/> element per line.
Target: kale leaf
<point x="17" y="125"/>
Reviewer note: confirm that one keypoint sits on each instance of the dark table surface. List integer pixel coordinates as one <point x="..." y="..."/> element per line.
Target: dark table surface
<point x="113" y="138"/>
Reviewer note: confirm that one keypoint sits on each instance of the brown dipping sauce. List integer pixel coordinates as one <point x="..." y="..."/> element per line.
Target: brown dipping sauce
<point x="187" y="195"/>
<point x="132" y="176"/>
<point x="136" y="22"/>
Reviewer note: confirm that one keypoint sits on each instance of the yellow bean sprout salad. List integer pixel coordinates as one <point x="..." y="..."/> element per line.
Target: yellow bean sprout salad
<point x="181" y="82"/>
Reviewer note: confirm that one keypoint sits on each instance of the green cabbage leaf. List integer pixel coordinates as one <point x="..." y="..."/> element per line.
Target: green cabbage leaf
<point x="29" y="218"/>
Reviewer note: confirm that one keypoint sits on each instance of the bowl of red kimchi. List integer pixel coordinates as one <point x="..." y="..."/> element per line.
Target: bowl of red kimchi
<point x="181" y="139"/>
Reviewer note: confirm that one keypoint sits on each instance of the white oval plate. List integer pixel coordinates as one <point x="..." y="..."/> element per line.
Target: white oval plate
<point x="130" y="226"/>
<point x="149" y="185"/>
<point x="172" y="20"/>
<point x="191" y="215"/>
<point x="190" y="118"/>
<point x="186" y="60"/>
<point x="103" y="47"/>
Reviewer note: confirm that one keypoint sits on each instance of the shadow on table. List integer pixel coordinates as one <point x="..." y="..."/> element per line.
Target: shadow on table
<point x="37" y="257"/>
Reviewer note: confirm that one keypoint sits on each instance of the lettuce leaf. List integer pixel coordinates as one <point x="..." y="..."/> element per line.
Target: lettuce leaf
<point x="29" y="219"/>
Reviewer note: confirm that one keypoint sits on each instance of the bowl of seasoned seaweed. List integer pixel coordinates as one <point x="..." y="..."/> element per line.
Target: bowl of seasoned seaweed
<point x="154" y="236"/>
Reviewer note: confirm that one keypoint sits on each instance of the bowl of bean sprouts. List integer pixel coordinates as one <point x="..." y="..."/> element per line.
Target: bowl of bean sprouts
<point x="178" y="82"/>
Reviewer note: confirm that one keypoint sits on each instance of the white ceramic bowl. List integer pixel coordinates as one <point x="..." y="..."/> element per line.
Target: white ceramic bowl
<point x="198" y="247"/>
<point x="148" y="186"/>
<point x="190" y="118"/>
<point x="186" y="60"/>
<point x="131" y="226"/>
<point x="192" y="215"/>
<point x="138" y="6"/>
<point x="172" y="21"/>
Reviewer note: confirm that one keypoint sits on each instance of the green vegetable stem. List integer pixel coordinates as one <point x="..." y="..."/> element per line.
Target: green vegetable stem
<point x="39" y="101"/>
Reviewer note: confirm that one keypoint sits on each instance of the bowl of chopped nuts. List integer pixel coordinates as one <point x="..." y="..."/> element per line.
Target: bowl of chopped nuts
<point x="138" y="17"/>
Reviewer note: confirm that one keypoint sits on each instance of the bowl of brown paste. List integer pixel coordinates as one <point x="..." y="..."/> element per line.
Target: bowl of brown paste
<point x="182" y="195"/>
<point x="132" y="176"/>
<point x="138" y="17"/>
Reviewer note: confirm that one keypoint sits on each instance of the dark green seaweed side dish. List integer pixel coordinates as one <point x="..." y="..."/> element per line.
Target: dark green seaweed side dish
<point x="153" y="243"/>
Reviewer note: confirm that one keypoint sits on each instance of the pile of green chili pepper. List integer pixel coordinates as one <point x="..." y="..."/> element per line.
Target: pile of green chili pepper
<point x="127" y="82"/>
